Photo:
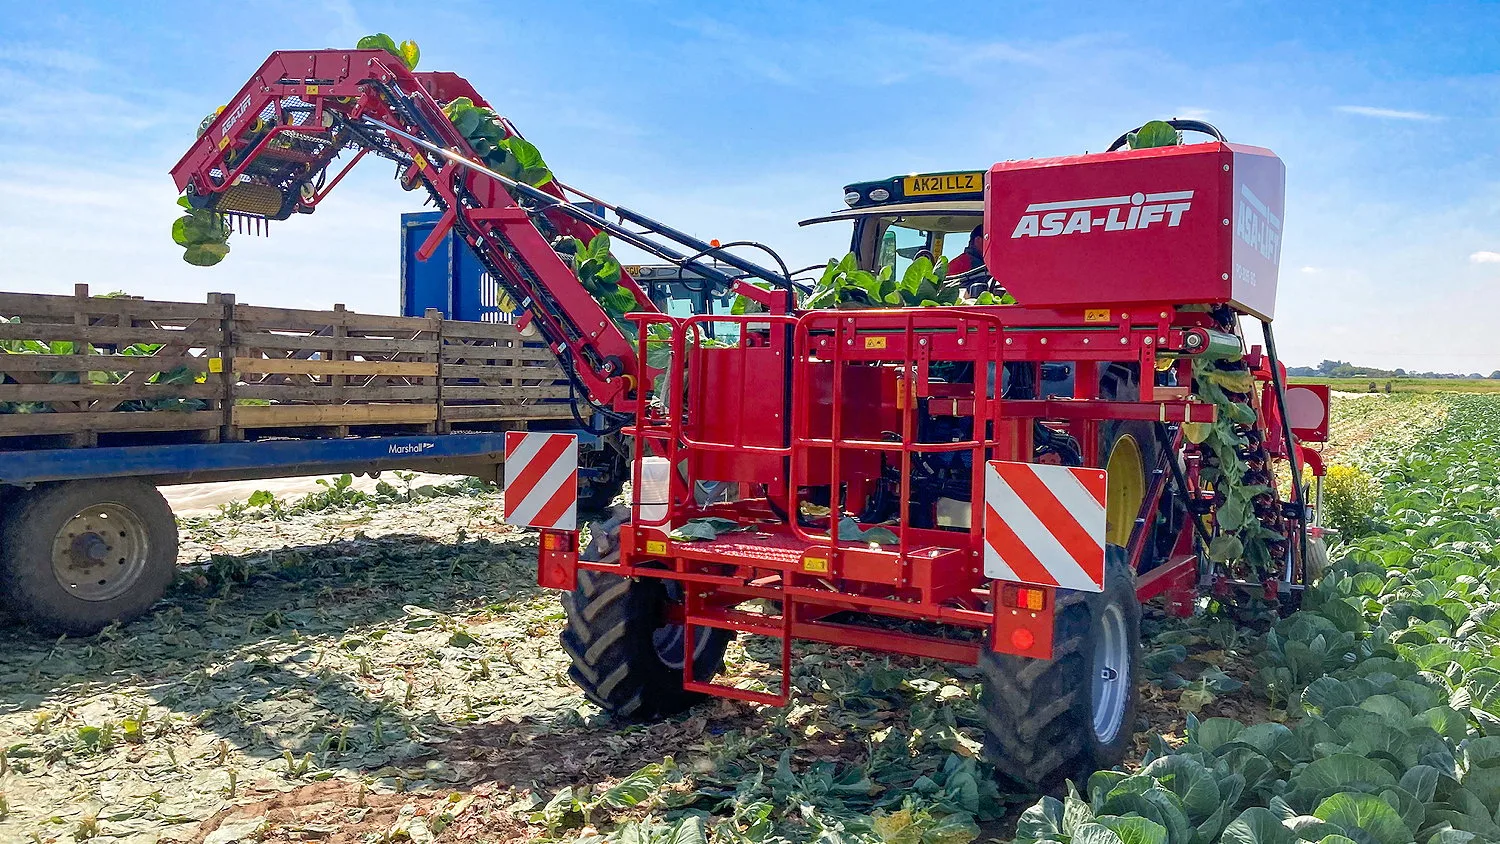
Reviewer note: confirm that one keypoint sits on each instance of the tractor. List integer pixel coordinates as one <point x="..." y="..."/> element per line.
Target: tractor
<point x="993" y="469"/>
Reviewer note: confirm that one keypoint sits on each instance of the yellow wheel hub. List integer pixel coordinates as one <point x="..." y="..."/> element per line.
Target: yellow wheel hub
<point x="1127" y="489"/>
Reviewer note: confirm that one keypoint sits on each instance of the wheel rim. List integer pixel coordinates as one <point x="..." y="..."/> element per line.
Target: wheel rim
<point x="1126" y="490"/>
<point x="670" y="643"/>
<point x="670" y="640"/>
<point x="100" y="552"/>
<point x="1111" y="686"/>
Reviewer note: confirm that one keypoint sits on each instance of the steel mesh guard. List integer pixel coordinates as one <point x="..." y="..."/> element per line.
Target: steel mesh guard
<point x="249" y="198"/>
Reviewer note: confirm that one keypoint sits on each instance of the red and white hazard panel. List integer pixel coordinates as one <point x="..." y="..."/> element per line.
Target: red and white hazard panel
<point x="1044" y="525"/>
<point x="541" y="480"/>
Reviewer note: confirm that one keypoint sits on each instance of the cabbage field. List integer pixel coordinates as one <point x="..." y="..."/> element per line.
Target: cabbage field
<point x="1390" y="675"/>
<point x="379" y="667"/>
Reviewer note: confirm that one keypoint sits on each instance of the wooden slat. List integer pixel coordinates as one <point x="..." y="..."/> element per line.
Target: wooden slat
<point x="64" y="307"/>
<point x="37" y="424"/>
<point x="452" y="352"/>
<point x="296" y="319"/>
<point x="461" y="330"/>
<point x="334" y="367"/>
<point x="105" y="392"/>
<point x="503" y="412"/>
<point x="102" y="363"/>
<point x="503" y="393"/>
<point x="276" y="416"/>
<point x="329" y="395"/>
<point x="294" y="343"/>
<point x="109" y="334"/>
<point x="459" y="370"/>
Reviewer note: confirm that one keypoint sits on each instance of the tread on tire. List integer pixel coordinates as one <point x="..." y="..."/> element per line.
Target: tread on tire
<point x="616" y="633"/>
<point x="1039" y="714"/>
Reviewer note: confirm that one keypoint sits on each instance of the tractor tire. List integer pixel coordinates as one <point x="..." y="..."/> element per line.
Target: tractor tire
<point x="626" y="657"/>
<point x="1048" y="722"/>
<point x="1121" y="382"/>
<point x="80" y="555"/>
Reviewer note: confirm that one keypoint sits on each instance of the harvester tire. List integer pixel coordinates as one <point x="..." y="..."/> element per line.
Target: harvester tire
<point x="78" y="555"/>
<point x="1051" y="721"/>
<point x="627" y="658"/>
<point x="1121" y="382"/>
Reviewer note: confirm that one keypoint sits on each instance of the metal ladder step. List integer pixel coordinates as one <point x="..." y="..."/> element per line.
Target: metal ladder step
<point x="740" y="622"/>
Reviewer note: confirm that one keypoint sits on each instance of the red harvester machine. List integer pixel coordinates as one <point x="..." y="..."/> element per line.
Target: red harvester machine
<point x="890" y="479"/>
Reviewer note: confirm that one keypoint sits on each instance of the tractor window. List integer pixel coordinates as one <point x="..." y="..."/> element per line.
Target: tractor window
<point x="953" y="244"/>
<point x="679" y="304"/>
<point x="899" y="247"/>
<point x="895" y="241"/>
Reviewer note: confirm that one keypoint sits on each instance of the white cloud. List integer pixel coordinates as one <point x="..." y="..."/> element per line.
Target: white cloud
<point x="1387" y="113"/>
<point x="864" y="56"/>
<point x="33" y="57"/>
<point x="347" y="28"/>
<point x="1485" y="258"/>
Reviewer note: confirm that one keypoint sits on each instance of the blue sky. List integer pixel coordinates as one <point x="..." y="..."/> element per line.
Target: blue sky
<point x="736" y="120"/>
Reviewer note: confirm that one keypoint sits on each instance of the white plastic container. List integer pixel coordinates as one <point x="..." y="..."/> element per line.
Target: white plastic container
<point x="656" y="486"/>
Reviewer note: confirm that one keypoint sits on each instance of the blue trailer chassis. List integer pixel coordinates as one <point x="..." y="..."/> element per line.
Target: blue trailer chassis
<point x="197" y="463"/>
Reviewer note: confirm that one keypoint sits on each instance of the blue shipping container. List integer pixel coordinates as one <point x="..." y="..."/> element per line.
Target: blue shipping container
<point x="452" y="280"/>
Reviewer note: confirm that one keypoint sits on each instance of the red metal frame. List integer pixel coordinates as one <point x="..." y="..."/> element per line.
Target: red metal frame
<point x="349" y="82"/>
<point x="832" y="399"/>
<point x="854" y="373"/>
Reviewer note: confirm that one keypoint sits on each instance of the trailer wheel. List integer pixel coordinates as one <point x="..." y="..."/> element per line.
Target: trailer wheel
<point x="80" y="555"/>
<point x="627" y="657"/>
<point x="1050" y="721"/>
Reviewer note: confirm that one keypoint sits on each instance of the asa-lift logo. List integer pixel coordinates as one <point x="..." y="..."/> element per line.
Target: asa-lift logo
<point x="1257" y="225"/>
<point x="234" y="116"/>
<point x="1106" y="213"/>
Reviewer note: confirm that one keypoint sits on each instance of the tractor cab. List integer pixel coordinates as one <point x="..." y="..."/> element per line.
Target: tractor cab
<point x="899" y="218"/>
<point x="683" y="292"/>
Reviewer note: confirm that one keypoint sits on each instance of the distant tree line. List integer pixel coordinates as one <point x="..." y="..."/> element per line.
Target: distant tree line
<point x="1344" y="369"/>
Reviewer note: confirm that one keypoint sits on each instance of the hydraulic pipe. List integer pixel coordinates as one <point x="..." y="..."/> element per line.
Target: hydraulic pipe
<point x="704" y="249"/>
<point x="1291" y="442"/>
<point x="586" y="216"/>
<point x="1204" y="342"/>
<point x="708" y="249"/>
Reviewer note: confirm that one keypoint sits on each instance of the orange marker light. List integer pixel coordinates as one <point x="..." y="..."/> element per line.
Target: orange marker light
<point x="714" y="243"/>
<point x="1024" y="598"/>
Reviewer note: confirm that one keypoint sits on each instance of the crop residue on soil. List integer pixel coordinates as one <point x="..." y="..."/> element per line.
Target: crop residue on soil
<point x="394" y="655"/>
<point x="391" y="672"/>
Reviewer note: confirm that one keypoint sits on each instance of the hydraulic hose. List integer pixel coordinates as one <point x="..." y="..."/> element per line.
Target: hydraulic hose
<point x="547" y="200"/>
<point x="1291" y="442"/>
